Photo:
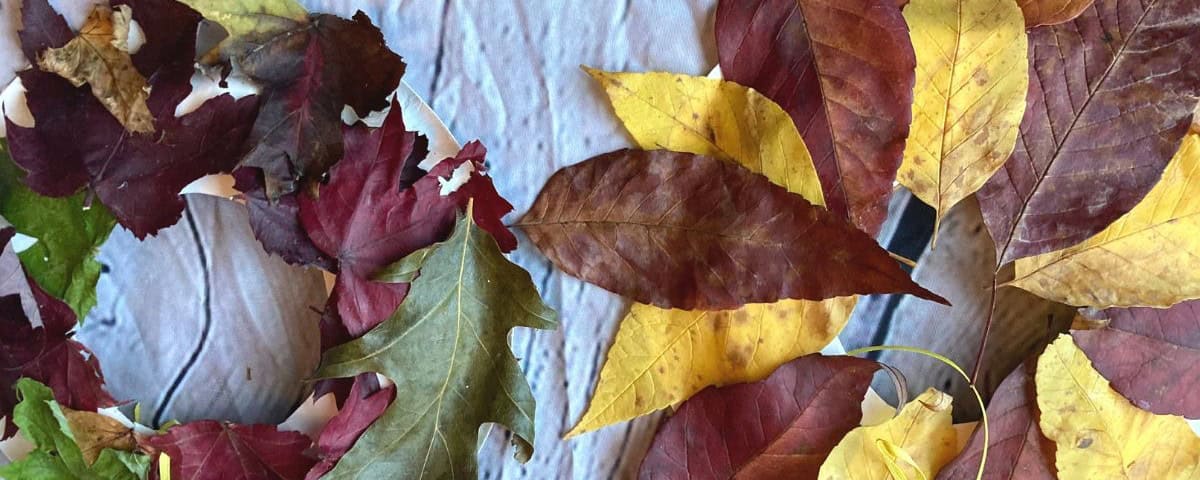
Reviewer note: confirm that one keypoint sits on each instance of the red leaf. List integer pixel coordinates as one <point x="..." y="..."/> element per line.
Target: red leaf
<point x="844" y="71"/>
<point x="366" y="403"/>
<point x="1017" y="448"/>
<point x="782" y="427"/>
<point x="1150" y="355"/>
<point x="138" y="176"/>
<point x="209" y="450"/>
<point x="276" y="224"/>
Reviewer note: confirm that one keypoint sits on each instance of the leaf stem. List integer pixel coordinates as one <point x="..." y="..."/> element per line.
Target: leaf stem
<point x="987" y="330"/>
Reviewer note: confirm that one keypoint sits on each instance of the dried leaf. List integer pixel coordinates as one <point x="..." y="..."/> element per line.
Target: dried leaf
<point x="97" y="57"/>
<point x="94" y="433"/>
<point x="209" y="450"/>
<point x="1051" y="12"/>
<point x="1127" y="264"/>
<point x="1110" y="97"/>
<point x="447" y="349"/>
<point x="715" y="118"/>
<point x="972" y="77"/>
<point x="1150" y="356"/>
<point x="687" y="231"/>
<point x="1099" y="434"/>
<point x="779" y="428"/>
<point x="921" y="430"/>
<point x="843" y="70"/>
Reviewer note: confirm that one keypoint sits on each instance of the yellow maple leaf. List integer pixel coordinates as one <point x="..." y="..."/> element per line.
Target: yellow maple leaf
<point x="1148" y="257"/>
<point x="99" y="57"/>
<point x="1098" y="433"/>
<point x="662" y="357"/>
<point x="972" y="77"/>
<point x="914" y="444"/>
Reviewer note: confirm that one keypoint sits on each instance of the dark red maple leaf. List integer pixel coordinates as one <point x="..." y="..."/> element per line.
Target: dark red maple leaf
<point x="308" y="74"/>
<point x="276" y="224"/>
<point x="76" y="142"/>
<point x="367" y="401"/>
<point x="225" y="451"/>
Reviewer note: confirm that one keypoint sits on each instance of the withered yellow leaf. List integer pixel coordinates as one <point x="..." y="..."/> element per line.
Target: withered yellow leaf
<point x="920" y="437"/>
<point x="713" y="117"/>
<point x="1098" y="433"/>
<point x="94" y="432"/>
<point x="972" y="77"/>
<point x="1148" y="257"/>
<point x="662" y="357"/>
<point x="98" y="57"/>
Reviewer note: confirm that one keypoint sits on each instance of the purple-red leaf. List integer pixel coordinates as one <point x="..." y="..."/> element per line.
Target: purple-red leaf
<point x="1151" y="356"/>
<point x="138" y="176"/>
<point x="277" y="224"/>
<point x="844" y="71"/>
<point x="367" y="401"/>
<point x="209" y="450"/>
<point x="1111" y="95"/>
<point x="780" y="428"/>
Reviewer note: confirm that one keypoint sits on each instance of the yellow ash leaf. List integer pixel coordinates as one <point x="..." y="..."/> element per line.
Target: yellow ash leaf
<point x="1148" y="257"/>
<point x="1098" y="433"/>
<point x="665" y="111"/>
<point x="99" y="57"/>
<point x="972" y="77"/>
<point x="915" y="444"/>
<point x="662" y="357"/>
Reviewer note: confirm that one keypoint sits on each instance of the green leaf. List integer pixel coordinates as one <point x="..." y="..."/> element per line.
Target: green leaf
<point x="247" y="22"/>
<point x="42" y="421"/>
<point x="69" y="233"/>
<point x="446" y="348"/>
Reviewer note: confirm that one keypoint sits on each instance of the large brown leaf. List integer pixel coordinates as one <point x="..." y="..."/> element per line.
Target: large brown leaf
<point x="781" y="427"/>
<point x="1150" y="356"/>
<point x="1110" y="96"/>
<point x="843" y="70"/>
<point x="679" y="230"/>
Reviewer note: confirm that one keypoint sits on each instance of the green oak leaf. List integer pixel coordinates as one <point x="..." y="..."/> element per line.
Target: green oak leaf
<point x="69" y="233"/>
<point x="446" y="348"/>
<point x="42" y="421"/>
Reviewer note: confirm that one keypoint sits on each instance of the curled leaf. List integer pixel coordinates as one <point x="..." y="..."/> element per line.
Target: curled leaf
<point x="916" y="443"/>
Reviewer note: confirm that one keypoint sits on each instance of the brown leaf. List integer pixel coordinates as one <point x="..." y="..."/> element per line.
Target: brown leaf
<point x="678" y="230"/>
<point x="94" y="432"/>
<point x="1110" y="97"/>
<point x="1051" y="12"/>
<point x="843" y="70"/>
<point x="98" y="57"/>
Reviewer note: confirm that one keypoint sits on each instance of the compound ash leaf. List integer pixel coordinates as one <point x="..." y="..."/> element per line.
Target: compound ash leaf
<point x="71" y="444"/>
<point x="1110" y="97"/>
<point x="922" y="430"/>
<point x="366" y="402"/>
<point x="779" y="428"/>
<point x="1149" y="257"/>
<point x="69" y="233"/>
<point x="210" y="450"/>
<point x="308" y="75"/>
<point x="99" y="57"/>
<point x="719" y="119"/>
<point x="1098" y="433"/>
<point x="137" y="176"/>
<point x="1150" y="356"/>
<point x="446" y="347"/>
<point x="972" y="78"/>
<point x="1051" y="12"/>
<point x="1017" y="448"/>
<point x="843" y="70"/>
<point x="678" y="230"/>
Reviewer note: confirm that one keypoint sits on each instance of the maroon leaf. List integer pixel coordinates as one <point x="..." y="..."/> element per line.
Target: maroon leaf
<point x="678" y="230"/>
<point x="1150" y="355"/>
<point x="1017" y="448"/>
<point x="366" y="403"/>
<point x="307" y="75"/>
<point x="277" y="224"/>
<point x="42" y="28"/>
<point x="138" y="176"/>
<point x="209" y="450"/>
<point x="844" y="70"/>
<point x="1111" y="94"/>
<point x="782" y="427"/>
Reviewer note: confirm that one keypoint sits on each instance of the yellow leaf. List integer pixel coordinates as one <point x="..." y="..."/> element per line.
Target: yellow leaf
<point x="972" y="76"/>
<point x="713" y="117"/>
<point x="1148" y="257"/>
<point x="915" y="444"/>
<point x="248" y="21"/>
<point x="661" y="357"/>
<point x="1098" y="433"/>
<point x="98" y="57"/>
